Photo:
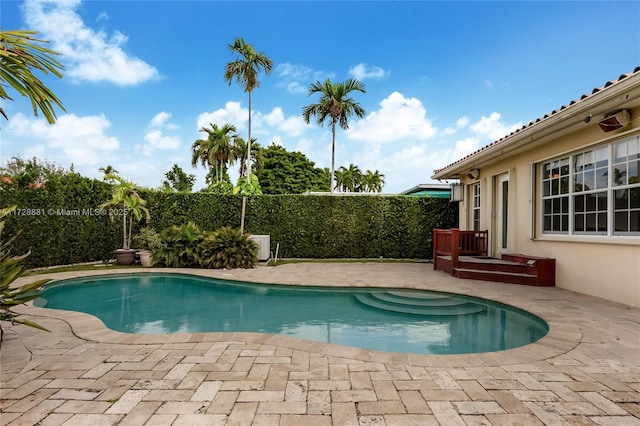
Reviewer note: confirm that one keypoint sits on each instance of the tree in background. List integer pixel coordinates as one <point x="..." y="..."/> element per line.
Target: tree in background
<point x="351" y="179"/>
<point x="29" y="174"/>
<point x="336" y="106"/>
<point x="19" y="56"/>
<point x="178" y="181"/>
<point x="245" y="69"/>
<point x="372" y="181"/>
<point x="109" y="170"/>
<point x="285" y="172"/>
<point x="215" y="152"/>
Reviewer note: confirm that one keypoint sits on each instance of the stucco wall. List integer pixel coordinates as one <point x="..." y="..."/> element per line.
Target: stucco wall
<point x="606" y="267"/>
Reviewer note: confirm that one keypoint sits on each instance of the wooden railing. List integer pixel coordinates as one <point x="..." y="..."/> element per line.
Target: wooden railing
<point x="455" y="243"/>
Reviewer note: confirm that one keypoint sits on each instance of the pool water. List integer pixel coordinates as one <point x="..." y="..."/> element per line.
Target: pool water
<point x="380" y="319"/>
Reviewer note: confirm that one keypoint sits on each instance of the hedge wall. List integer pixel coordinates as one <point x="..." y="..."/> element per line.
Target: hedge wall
<point x="66" y="230"/>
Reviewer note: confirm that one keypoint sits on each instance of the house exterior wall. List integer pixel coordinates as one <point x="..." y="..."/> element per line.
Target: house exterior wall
<point x="602" y="266"/>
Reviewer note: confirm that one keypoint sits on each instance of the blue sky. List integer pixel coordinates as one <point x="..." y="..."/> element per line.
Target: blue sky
<point x="443" y="78"/>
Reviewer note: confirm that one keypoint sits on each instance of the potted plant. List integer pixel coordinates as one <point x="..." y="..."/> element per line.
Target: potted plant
<point x="149" y="241"/>
<point x="125" y="201"/>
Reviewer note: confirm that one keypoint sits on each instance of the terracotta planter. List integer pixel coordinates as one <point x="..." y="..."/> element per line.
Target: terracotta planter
<point x="145" y="258"/>
<point x="125" y="257"/>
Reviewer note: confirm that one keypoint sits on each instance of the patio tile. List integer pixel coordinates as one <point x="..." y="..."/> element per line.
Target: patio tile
<point x="579" y="374"/>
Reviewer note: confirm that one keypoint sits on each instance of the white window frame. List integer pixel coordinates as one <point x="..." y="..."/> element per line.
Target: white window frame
<point x="609" y="189"/>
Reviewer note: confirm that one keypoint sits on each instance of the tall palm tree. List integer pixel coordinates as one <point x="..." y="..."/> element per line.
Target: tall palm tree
<point x="373" y="181"/>
<point x="336" y="106"/>
<point x="215" y="151"/>
<point x="350" y="178"/>
<point x="245" y="70"/>
<point x="109" y="170"/>
<point x="241" y="153"/>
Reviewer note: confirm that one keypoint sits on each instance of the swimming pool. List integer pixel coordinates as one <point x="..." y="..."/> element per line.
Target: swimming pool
<point x="408" y="321"/>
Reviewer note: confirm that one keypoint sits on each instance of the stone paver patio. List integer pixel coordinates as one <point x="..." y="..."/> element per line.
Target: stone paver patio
<point x="585" y="371"/>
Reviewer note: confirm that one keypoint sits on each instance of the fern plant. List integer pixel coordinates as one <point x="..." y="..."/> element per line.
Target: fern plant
<point x="229" y="248"/>
<point x="10" y="270"/>
<point x="182" y="247"/>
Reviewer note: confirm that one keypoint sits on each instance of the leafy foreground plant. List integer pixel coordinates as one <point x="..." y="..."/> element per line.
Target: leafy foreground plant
<point x="10" y="270"/>
<point x="181" y="246"/>
<point x="229" y="248"/>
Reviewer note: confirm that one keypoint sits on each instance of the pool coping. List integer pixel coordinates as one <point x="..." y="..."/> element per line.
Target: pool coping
<point x="562" y="337"/>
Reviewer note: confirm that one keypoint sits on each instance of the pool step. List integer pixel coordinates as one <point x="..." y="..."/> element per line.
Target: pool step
<point x="407" y="303"/>
<point x="417" y="299"/>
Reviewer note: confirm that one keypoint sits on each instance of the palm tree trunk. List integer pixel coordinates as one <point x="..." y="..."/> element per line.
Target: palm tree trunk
<point x="124" y="227"/>
<point x="249" y="144"/>
<point x="333" y="153"/>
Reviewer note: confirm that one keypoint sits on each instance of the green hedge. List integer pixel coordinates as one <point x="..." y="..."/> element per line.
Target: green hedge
<point x="305" y="226"/>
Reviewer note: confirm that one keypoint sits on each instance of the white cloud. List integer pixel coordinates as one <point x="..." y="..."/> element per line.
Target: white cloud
<point x="293" y="125"/>
<point x="231" y="113"/>
<point x="155" y="138"/>
<point x="89" y="55"/>
<point x="296" y="78"/>
<point x="398" y="118"/>
<point x="363" y="71"/>
<point x="160" y="120"/>
<point x="72" y="139"/>
<point x="492" y="128"/>
<point x="462" y="122"/>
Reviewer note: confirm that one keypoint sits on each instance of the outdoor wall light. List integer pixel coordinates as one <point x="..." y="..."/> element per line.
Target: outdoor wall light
<point x="457" y="192"/>
<point x="615" y="121"/>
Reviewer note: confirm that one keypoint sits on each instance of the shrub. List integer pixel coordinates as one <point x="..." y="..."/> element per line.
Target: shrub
<point x="148" y="239"/>
<point x="228" y="248"/>
<point x="182" y="246"/>
<point x="10" y="270"/>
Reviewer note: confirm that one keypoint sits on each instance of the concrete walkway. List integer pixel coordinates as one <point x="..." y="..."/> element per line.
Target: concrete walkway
<point x="585" y="371"/>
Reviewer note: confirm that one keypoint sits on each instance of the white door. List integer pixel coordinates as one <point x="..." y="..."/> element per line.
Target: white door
<point x="502" y="214"/>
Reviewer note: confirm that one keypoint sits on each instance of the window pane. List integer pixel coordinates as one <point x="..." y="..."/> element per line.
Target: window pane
<point x="578" y="222"/>
<point x="564" y="185"/>
<point x="556" y="205"/>
<point x="602" y="201"/>
<point x="634" y="221"/>
<point x="602" y="178"/>
<point x="565" y="205"/>
<point x="565" y="222"/>
<point x="578" y="204"/>
<point x="620" y="152"/>
<point x="546" y="225"/>
<point x="634" y="148"/>
<point x="547" y="206"/>
<point x="590" y="222"/>
<point x="621" y="200"/>
<point x="546" y="188"/>
<point x="602" y="222"/>
<point x="555" y="190"/>
<point x="589" y="180"/>
<point x="634" y="198"/>
<point x="578" y="182"/>
<point x="633" y="174"/>
<point x="602" y="156"/>
<point x="591" y="202"/>
<point x="621" y="224"/>
<point x="546" y="171"/>
<point x="556" y="223"/>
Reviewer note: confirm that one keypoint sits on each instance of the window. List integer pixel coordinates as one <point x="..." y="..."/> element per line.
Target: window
<point x="593" y="192"/>
<point x="555" y="195"/>
<point x="475" y="208"/>
<point x="626" y="185"/>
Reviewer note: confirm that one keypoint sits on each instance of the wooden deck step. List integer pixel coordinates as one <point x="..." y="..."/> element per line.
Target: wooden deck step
<point x="498" y="276"/>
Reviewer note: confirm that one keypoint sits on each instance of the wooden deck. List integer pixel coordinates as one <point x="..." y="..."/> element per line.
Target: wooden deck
<point x="468" y="259"/>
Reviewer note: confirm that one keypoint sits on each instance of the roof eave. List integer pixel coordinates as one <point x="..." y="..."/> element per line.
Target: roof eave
<point x="538" y="132"/>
